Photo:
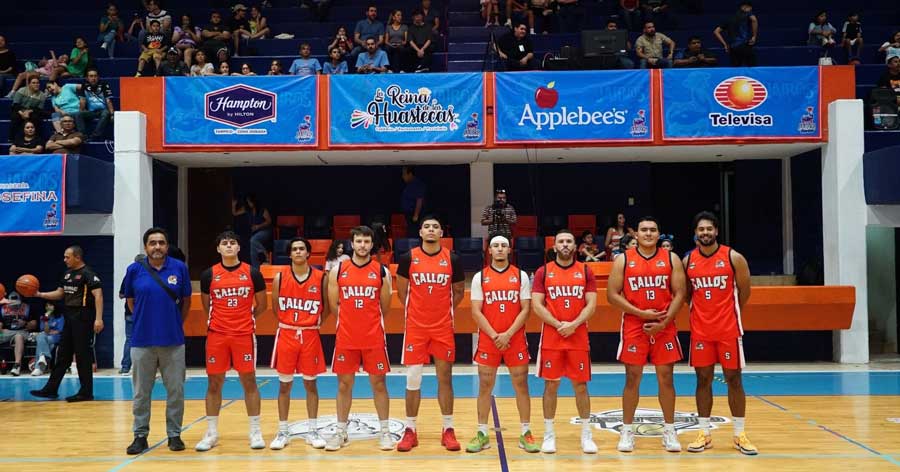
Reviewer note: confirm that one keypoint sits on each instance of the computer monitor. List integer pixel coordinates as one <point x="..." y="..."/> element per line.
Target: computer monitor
<point x="603" y="42"/>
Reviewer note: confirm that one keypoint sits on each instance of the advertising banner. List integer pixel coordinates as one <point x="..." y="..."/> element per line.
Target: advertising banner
<point x="32" y="194"/>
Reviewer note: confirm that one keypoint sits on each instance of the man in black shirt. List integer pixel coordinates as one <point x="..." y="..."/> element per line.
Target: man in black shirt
<point x="737" y="35"/>
<point x="215" y="36"/>
<point x="173" y="66"/>
<point x="82" y="295"/>
<point x="420" y="40"/>
<point x="238" y="25"/>
<point x="891" y="77"/>
<point x="694" y="55"/>
<point x="516" y="50"/>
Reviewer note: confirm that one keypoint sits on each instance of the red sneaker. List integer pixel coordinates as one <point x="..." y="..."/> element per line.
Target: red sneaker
<point x="409" y="440"/>
<point x="448" y="440"/>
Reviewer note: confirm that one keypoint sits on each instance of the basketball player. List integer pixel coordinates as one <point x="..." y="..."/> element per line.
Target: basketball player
<point x="233" y="294"/>
<point x="501" y="301"/>
<point x="719" y="288"/>
<point x="647" y="284"/>
<point x="564" y="297"/>
<point x="298" y="300"/>
<point x="359" y="293"/>
<point x="430" y="283"/>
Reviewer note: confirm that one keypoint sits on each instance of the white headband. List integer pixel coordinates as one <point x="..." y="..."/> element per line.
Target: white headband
<point x="499" y="238"/>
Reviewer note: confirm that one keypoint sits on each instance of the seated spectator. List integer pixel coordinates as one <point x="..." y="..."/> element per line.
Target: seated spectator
<point x="891" y="48"/>
<point x="78" y="61"/>
<point x="222" y="55"/>
<point x="47" y="339"/>
<point x="630" y="14"/>
<point x="135" y="31"/>
<point x="27" y="105"/>
<point x="570" y="16"/>
<point x="186" y="38"/>
<point x="152" y="48"/>
<point x="225" y="69"/>
<point x="14" y="327"/>
<point x="891" y="77"/>
<point x="366" y="29"/>
<point x="420" y="42"/>
<point x="518" y="9"/>
<point x="111" y="30"/>
<point x="515" y="49"/>
<point x="201" y="67"/>
<point x="627" y="242"/>
<point x="341" y="41"/>
<point x="259" y="26"/>
<point x="30" y="142"/>
<point x="649" y="48"/>
<point x="335" y="255"/>
<point x="396" y="39"/>
<point x="588" y="251"/>
<point x="694" y="55"/>
<point x="623" y="61"/>
<point x="335" y="64"/>
<point x="740" y="36"/>
<point x="96" y="105"/>
<point x="7" y="60"/>
<point x="65" y="101"/>
<point x="214" y="35"/>
<point x="852" y="35"/>
<point x="306" y="65"/>
<point x="820" y="31"/>
<point x="67" y="141"/>
<point x="174" y="66"/>
<point x="275" y="68"/>
<point x="657" y="11"/>
<point x="544" y="11"/>
<point x="373" y="61"/>
<point x="155" y="13"/>
<point x="239" y="26"/>
<point x="245" y="70"/>
<point x="490" y="11"/>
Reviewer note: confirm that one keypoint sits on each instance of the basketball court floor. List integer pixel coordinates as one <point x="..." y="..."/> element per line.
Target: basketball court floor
<point x="817" y="417"/>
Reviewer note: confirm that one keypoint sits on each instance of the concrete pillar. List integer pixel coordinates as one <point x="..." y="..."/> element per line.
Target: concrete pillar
<point x="787" y="217"/>
<point x="481" y="183"/>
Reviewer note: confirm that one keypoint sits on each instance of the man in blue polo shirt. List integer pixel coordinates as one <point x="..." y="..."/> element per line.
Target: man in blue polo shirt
<point x="366" y="28"/>
<point x="158" y="290"/>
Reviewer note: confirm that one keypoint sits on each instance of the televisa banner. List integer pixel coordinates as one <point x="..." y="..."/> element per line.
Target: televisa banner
<point x="741" y="103"/>
<point x="32" y="195"/>
<point x="573" y="107"/>
<point x="406" y="109"/>
<point x="241" y="111"/>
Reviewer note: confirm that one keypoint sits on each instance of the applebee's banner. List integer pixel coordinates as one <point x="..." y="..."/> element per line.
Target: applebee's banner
<point x="743" y="103"/>
<point x="240" y="111"/>
<point x="406" y="110"/>
<point x="32" y="194"/>
<point x="581" y="106"/>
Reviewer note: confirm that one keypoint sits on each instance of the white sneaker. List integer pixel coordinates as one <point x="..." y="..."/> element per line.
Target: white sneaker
<point x="549" y="444"/>
<point x="42" y="362"/>
<point x="103" y="46"/>
<point x="588" y="446"/>
<point x="385" y="441"/>
<point x="281" y="440"/>
<point x="208" y="442"/>
<point x="337" y="441"/>
<point x="626" y="442"/>
<point x="670" y="441"/>
<point x="315" y="440"/>
<point x="256" y="440"/>
<point x="508" y="23"/>
<point x="37" y="372"/>
<point x="15" y="371"/>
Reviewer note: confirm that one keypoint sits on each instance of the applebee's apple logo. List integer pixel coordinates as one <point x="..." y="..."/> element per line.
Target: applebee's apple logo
<point x="396" y="109"/>
<point x="547" y="97"/>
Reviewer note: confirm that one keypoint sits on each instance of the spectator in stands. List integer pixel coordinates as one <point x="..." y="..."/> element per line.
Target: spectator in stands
<point x="201" y="67"/>
<point x="215" y="36"/>
<point x="14" y="327"/>
<point x="420" y="42"/>
<point x="78" y="61"/>
<point x="174" y="66"/>
<point x="341" y="41"/>
<point x="628" y="241"/>
<point x="65" y="101"/>
<point x="246" y="70"/>
<point x="135" y="31"/>
<point x="630" y="14"/>
<point x="588" y="250"/>
<point x="891" y="77"/>
<point x="367" y="28"/>
<point x="155" y="13"/>
<point x="7" y="60"/>
<point x="570" y="16"/>
<point x="396" y="39"/>
<point x="665" y="242"/>
<point x="545" y="10"/>
<point x="431" y="16"/>
<point x="373" y="61"/>
<point x="96" y="105"/>
<point x="657" y="11"/>
<point x="186" y="38"/>
<point x="152" y="47"/>
<point x="649" y="48"/>
<point x="490" y="11"/>
<point x="614" y="235"/>
<point x="852" y="35"/>
<point x="275" y="68"/>
<point x="28" y="105"/>
<point x="515" y="49"/>
<point x="260" y="227"/>
<point x="111" y="30"/>
<point x="516" y="10"/>
<point x="891" y="48"/>
<point x="68" y="140"/>
<point x="259" y="26"/>
<point x="335" y="255"/>
<point x="239" y="26"/>
<point x="306" y="65"/>
<point x="29" y="142"/>
<point x="335" y="65"/>
<point x="741" y="31"/>
<point x="225" y="69"/>
<point x="820" y="31"/>
<point x="412" y="200"/>
<point x="623" y="61"/>
<point x="499" y="216"/>
<point x="694" y="55"/>
<point x="47" y="339"/>
<point x="222" y="55"/>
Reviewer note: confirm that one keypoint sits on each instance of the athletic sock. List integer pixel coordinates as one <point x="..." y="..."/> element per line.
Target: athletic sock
<point x="283" y="426"/>
<point x="313" y="424"/>
<point x="254" y="423"/>
<point x="384" y="425"/>
<point x="704" y="424"/>
<point x="585" y="426"/>
<point x="446" y="422"/>
<point x="411" y="422"/>
<point x="526" y="427"/>
<point x="483" y="428"/>
<point x="548" y="426"/>
<point x="212" y="425"/>
<point x="738" y="425"/>
<point x="627" y="428"/>
<point x="342" y="426"/>
<point x="669" y="427"/>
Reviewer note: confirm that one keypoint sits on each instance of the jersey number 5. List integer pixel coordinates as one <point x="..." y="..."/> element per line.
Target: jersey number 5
<point x="708" y="295"/>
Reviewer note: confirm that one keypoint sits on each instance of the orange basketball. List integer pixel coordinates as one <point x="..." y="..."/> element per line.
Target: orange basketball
<point x="27" y="285"/>
<point x="741" y="93"/>
<point x="2" y="291"/>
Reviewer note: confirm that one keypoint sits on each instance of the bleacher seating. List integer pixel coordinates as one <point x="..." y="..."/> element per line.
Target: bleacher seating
<point x="287" y="227"/>
<point x="526" y="225"/>
<point x="470" y="252"/>
<point x="402" y="246"/>
<point x="529" y="253"/>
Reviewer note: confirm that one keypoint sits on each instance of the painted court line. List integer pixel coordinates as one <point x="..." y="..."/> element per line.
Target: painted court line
<point x="501" y="449"/>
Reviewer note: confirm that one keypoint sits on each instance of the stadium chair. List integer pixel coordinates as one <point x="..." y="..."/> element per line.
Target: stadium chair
<point x="398" y="226"/>
<point x="286" y="227"/>
<point x="470" y="252"/>
<point x="549" y="241"/>
<point x="319" y="247"/>
<point x="529" y="253"/>
<point x="268" y="271"/>
<point x="580" y="223"/>
<point x="402" y="246"/>
<point x="317" y="227"/>
<point x="447" y="243"/>
<point x="279" y="252"/>
<point x="526" y="225"/>
<point x="551" y="224"/>
<point x="343" y="224"/>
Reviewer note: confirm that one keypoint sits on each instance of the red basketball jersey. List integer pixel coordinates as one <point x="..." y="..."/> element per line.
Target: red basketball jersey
<point x="359" y="318"/>
<point x="647" y="285"/>
<point x="429" y="300"/>
<point x="564" y="289"/>
<point x="231" y="295"/>
<point x="300" y="302"/>
<point x="501" y="303"/>
<point x="715" y="312"/>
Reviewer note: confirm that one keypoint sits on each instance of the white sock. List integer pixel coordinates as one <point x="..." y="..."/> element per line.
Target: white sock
<point x="212" y="425"/>
<point x="669" y="428"/>
<point x="282" y="426"/>
<point x="384" y="425"/>
<point x="411" y="422"/>
<point x="585" y="426"/>
<point x="446" y="422"/>
<point x="704" y="424"/>
<point x="627" y="428"/>
<point x="254" y="423"/>
<point x="342" y="426"/>
<point x="526" y="427"/>
<point x="738" y="425"/>
<point x="483" y="428"/>
<point x="313" y="424"/>
<point x="548" y="425"/>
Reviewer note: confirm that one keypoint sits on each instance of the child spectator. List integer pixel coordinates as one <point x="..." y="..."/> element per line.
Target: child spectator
<point x="820" y="31"/>
<point x="852" y="35"/>
<point x="47" y="339"/>
<point x="246" y="70"/>
<point x="665" y="242"/>
<point x="341" y="41"/>
<point x="111" y="29"/>
<point x="275" y="68"/>
<point x="225" y="69"/>
<point x="588" y="251"/>
<point x="891" y="48"/>
<point x="201" y="67"/>
<point x="14" y="328"/>
<point x="305" y="65"/>
<point x="335" y="65"/>
<point x="259" y="27"/>
<point x="152" y="47"/>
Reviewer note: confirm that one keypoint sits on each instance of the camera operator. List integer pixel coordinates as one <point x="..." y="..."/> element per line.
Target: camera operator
<point x="499" y="216"/>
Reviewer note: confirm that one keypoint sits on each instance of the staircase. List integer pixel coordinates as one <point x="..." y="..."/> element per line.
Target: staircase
<point x="467" y="38"/>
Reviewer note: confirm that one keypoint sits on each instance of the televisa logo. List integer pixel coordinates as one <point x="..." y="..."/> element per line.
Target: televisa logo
<point x="740" y="94"/>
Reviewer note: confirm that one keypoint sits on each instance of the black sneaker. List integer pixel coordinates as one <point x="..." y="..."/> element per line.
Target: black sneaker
<point x="137" y="446"/>
<point x="176" y="444"/>
<point x="44" y="394"/>
<point x="79" y="397"/>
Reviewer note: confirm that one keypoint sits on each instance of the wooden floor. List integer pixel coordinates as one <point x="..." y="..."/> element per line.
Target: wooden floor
<point x="812" y="433"/>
